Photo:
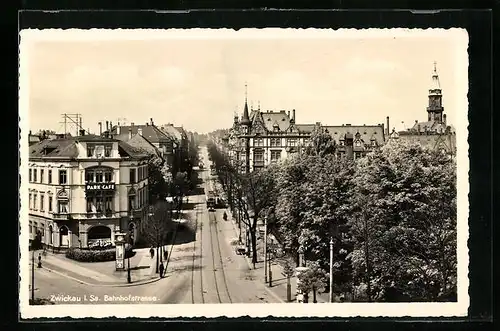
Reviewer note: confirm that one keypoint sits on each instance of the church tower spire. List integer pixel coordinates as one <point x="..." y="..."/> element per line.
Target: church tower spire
<point x="435" y="108"/>
<point x="245" y="120"/>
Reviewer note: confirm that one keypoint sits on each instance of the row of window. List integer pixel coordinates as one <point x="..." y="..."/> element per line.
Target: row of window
<point x="39" y="204"/>
<point x="277" y="142"/>
<point x="92" y="176"/>
<point x="139" y="174"/>
<point x="33" y="176"/>
<point x="98" y="175"/>
<point x="136" y="201"/>
<point x="97" y="203"/>
<point x="258" y="156"/>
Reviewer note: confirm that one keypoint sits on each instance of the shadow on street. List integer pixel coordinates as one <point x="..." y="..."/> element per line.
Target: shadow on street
<point x="184" y="235"/>
<point x="140" y="267"/>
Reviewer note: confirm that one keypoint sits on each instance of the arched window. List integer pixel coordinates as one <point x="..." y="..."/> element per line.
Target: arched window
<point x="51" y="234"/>
<point x="64" y="236"/>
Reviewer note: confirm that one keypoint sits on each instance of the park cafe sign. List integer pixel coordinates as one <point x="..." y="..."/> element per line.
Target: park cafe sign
<point x="100" y="187"/>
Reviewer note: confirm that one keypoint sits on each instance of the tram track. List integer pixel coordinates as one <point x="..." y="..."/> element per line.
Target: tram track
<point x="220" y="281"/>
<point x="223" y="273"/>
<point x="193" y="268"/>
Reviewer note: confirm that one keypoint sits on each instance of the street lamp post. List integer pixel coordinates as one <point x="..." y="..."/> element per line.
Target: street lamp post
<point x="265" y="250"/>
<point x="331" y="269"/>
<point x="270" y="266"/>
<point x="33" y="275"/>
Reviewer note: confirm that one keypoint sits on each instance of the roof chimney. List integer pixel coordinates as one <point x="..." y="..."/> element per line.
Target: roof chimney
<point x="132" y="124"/>
<point x="388" y="125"/>
<point x="139" y="131"/>
<point x="151" y="119"/>
<point x="100" y="128"/>
<point x="293" y="115"/>
<point x="82" y="132"/>
<point x="444" y="119"/>
<point x="129" y="133"/>
<point x="107" y="125"/>
<point x="117" y="129"/>
<point x="30" y="133"/>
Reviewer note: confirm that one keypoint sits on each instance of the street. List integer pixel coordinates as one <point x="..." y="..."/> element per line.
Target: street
<point x="202" y="268"/>
<point x="208" y="270"/>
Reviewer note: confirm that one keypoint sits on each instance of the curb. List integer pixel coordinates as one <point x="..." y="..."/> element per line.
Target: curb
<point x="144" y="282"/>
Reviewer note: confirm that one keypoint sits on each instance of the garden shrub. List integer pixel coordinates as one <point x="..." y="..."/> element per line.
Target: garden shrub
<point x="95" y="255"/>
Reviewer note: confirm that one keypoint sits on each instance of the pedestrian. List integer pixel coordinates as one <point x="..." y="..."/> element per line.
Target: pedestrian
<point x="152" y="252"/>
<point x="161" y="270"/>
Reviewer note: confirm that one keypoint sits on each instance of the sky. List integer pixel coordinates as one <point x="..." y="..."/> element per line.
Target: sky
<point x="196" y="79"/>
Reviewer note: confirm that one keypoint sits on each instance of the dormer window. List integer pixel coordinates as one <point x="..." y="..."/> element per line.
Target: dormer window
<point x="107" y="150"/>
<point x="90" y="150"/>
<point x="99" y="150"/>
<point x="358" y="143"/>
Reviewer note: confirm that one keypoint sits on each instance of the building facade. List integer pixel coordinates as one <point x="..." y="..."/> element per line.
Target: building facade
<point x="435" y="133"/>
<point x="261" y="138"/>
<point x="84" y="189"/>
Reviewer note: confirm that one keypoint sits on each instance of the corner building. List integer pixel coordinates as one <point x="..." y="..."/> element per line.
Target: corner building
<point x="84" y="189"/>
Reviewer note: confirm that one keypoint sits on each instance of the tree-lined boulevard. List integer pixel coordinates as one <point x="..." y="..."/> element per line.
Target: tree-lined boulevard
<point x="382" y="228"/>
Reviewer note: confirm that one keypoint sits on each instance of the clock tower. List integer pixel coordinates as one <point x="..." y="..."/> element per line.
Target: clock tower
<point x="435" y="108"/>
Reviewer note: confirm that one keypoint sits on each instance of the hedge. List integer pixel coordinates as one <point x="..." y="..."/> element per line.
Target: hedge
<point x="89" y="255"/>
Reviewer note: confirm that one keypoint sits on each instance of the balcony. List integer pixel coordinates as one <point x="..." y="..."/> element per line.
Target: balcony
<point x="97" y="215"/>
<point x="60" y="216"/>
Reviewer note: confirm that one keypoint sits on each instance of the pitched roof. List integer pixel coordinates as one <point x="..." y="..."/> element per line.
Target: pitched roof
<point x="67" y="147"/>
<point x="170" y="130"/>
<point x="151" y="132"/>
<point x="305" y="127"/>
<point x="62" y="148"/>
<point x="367" y="132"/>
<point x="142" y="143"/>
<point x="436" y="126"/>
<point x="274" y="119"/>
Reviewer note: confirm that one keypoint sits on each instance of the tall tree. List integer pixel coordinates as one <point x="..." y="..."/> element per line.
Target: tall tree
<point x="154" y="229"/>
<point x="404" y="224"/>
<point x="321" y="143"/>
<point x="312" y="205"/>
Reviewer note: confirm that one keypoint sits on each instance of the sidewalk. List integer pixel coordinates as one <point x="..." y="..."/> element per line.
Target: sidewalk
<point x="103" y="273"/>
<point x="279" y="281"/>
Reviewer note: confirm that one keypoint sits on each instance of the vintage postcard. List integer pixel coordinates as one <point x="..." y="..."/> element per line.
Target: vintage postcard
<point x="259" y="172"/>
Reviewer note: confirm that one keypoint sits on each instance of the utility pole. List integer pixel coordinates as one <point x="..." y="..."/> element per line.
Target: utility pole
<point x="265" y="249"/>
<point x="331" y="269"/>
<point x="33" y="275"/>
